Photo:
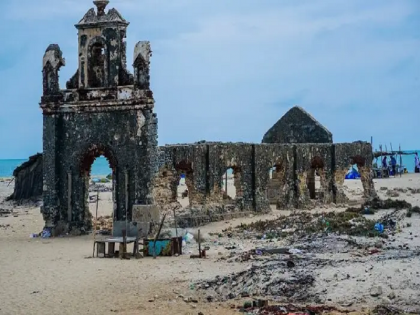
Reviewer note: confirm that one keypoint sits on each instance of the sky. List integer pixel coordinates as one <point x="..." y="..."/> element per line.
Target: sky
<point x="228" y="70"/>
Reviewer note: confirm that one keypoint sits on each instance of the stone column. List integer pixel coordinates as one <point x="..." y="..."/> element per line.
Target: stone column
<point x="367" y="182"/>
<point x="50" y="207"/>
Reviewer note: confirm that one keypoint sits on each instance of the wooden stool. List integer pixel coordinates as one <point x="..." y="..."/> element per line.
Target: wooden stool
<point x="111" y="250"/>
<point x="100" y="248"/>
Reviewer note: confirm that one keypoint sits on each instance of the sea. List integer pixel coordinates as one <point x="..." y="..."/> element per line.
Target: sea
<point x="101" y="167"/>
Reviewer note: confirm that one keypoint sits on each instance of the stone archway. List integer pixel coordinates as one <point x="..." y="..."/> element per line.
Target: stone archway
<point x="93" y="152"/>
<point x="78" y="201"/>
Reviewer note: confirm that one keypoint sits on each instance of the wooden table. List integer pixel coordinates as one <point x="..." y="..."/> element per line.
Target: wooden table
<point x="100" y="245"/>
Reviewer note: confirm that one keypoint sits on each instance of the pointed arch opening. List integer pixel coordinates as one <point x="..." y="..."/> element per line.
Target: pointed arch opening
<point x="98" y="168"/>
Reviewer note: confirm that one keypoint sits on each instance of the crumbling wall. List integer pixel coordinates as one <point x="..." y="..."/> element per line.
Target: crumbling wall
<point x="311" y="160"/>
<point x="281" y="189"/>
<point x="348" y="154"/>
<point x="28" y="179"/>
<point x="294" y="182"/>
<point x="297" y="126"/>
<point x="165" y="185"/>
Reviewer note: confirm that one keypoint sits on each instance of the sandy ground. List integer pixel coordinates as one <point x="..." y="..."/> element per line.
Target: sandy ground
<point x="59" y="277"/>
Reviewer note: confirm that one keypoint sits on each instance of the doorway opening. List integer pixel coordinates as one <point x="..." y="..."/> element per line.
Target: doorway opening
<point x="185" y="184"/>
<point x="231" y="184"/>
<point x="99" y="176"/>
<point x="314" y="178"/>
<point x="276" y="183"/>
<point x="182" y="191"/>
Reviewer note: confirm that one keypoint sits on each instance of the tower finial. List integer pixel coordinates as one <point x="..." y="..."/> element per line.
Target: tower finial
<point x="101" y="5"/>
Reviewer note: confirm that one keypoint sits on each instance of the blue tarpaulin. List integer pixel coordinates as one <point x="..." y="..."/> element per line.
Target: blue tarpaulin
<point x="353" y="174"/>
<point x="160" y="245"/>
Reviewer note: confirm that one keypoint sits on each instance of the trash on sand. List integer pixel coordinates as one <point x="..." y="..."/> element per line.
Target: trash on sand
<point x="379" y="227"/>
<point x="46" y="233"/>
<point x="295" y="251"/>
<point x="33" y="235"/>
<point x="188" y="237"/>
<point x="290" y="264"/>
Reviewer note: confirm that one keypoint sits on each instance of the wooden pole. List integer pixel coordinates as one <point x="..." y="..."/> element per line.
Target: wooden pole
<point x="157" y="236"/>
<point x="176" y="227"/>
<point x="401" y="166"/>
<point x="226" y="184"/>
<point x="199" y="243"/>
<point x="96" y="221"/>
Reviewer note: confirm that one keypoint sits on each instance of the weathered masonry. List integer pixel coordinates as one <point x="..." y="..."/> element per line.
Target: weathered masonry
<point x="104" y="110"/>
<point x="293" y="168"/>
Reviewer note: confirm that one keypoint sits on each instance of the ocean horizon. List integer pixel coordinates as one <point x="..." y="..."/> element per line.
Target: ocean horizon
<point x="101" y="167"/>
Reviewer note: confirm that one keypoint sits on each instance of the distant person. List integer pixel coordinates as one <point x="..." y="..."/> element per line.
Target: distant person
<point x="393" y="165"/>
<point x="384" y="162"/>
<point x="416" y="164"/>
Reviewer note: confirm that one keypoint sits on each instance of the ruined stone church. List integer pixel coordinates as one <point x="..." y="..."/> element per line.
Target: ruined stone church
<point x="106" y="110"/>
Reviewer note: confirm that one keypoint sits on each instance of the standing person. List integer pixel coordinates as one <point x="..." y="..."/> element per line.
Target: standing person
<point x="416" y="164"/>
<point x="393" y="165"/>
<point x="384" y="162"/>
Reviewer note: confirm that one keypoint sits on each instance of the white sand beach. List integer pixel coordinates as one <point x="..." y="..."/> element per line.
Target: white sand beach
<point x="58" y="275"/>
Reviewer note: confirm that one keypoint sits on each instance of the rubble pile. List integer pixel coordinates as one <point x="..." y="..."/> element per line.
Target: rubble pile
<point x="103" y="224"/>
<point x="352" y="222"/>
<point x="299" y="225"/>
<point x="276" y="278"/>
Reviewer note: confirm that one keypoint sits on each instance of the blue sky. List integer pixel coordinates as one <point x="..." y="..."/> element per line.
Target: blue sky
<point x="228" y="70"/>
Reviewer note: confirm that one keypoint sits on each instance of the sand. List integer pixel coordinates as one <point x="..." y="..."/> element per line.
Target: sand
<point x="58" y="275"/>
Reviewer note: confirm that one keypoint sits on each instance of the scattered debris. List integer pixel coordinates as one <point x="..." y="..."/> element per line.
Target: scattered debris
<point x="270" y="278"/>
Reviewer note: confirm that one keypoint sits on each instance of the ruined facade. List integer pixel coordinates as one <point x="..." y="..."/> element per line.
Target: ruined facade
<point x="106" y="110"/>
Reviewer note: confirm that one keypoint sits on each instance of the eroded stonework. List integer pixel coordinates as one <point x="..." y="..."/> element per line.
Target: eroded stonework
<point x="107" y="111"/>
<point x="292" y="184"/>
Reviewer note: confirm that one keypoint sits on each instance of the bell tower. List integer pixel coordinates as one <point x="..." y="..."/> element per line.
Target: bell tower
<point x="104" y="111"/>
<point x="102" y="49"/>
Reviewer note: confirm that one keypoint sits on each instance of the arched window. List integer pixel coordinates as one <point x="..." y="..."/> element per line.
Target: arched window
<point x="97" y="64"/>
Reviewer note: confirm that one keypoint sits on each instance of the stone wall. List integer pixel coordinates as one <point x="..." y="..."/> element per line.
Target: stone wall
<point x="204" y="165"/>
<point x="294" y="180"/>
<point x="28" y="179"/>
<point x="121" y="137"/>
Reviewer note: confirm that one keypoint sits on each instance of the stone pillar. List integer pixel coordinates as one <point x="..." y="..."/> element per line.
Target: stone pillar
<point x="338" y="182"/>
<point x="51" y="204"/>
<point x="367" y="182"/>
